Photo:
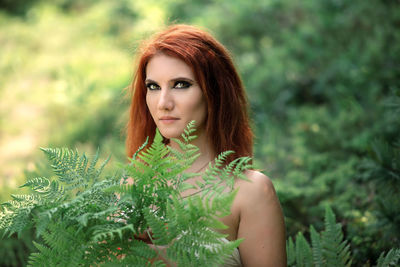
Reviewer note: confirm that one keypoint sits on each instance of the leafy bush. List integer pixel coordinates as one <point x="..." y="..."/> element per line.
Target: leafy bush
<point x="329" y="248"/>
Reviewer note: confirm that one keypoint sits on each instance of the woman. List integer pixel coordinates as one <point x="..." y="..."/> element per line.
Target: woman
<point x="184" y="74"/>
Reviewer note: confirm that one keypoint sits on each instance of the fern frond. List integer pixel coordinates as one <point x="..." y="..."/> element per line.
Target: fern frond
<point x="27" y="199"/>
<point x="64" y="162"/>
<point x="290" y="252"/>
<point x="110" y="231"/>
<point x="63" y="248"/>
<point x="44" y="191"/>
<point x="15" y="216"/>
<point x="67" y="246"/>
<point x="189" y="224"/>
<point x="72" y="169"/>
<point x="39" y="185"/>
<point x="159" y="229"/>
<point x="218" y="178"/>
<point x="42" y="220"/>
<point x="56" y="193"/>
<point x="201" y="247"/>
<point x="141" y="249"/>
<point x="303" y="251"/>
<point x="42" y="258"/>
<point x="316" y="248"/>
<point x="335" y="249"/>
<point x="391" y="259"/>
<point x="92" y="174"/>
<point x="220" y="206"/>
<point x="155" y="153"/>
<point x="140" y="148"/>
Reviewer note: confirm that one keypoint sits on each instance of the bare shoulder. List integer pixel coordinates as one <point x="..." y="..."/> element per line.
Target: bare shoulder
<point x="257" y="186"/>
<point x="261" y="223"/>
<point x="258" y="178"/>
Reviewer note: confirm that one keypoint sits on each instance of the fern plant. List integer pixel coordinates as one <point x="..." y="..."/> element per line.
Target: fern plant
<point x="328" y="248"/>
<point x="84" y="219"/>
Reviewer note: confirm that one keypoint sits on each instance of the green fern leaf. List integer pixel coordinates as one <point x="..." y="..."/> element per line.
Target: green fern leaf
<point x="110" y="231"/>
<point x="72" y="169"/>
<point x="316" y="248"/>
<point x="290" y="252"/>
<point x="391" y="259"/>
<point x="43" y="258"/>
<point x="303" y="251"/>
<point x="40" y="185"/>
<point x="141" y="249"/>
<point x="335" y="249"/>
<point x="159" y="228"/>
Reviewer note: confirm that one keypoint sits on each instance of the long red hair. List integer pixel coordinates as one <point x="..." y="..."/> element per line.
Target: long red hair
<point x="227" y="124"/>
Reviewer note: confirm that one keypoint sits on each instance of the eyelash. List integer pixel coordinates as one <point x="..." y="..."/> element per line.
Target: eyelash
<point x="185" y="85"/>
<point x="149" y="85"/>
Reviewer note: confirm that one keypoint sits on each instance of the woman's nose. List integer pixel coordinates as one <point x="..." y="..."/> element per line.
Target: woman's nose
<point x="165" y="102"/>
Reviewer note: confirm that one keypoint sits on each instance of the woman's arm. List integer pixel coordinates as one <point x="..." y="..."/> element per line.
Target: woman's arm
<point x="261" y="223"/>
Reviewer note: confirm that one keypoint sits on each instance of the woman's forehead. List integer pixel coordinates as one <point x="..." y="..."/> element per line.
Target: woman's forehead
<point x="163" y="65"/>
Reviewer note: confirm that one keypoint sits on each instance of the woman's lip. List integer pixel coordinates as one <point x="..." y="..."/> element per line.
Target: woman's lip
<point x="168" y="120"/>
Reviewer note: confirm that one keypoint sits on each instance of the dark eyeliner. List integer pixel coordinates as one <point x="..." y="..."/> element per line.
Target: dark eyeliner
<point x="185" y="84"/>
<point x="150" y="85"/>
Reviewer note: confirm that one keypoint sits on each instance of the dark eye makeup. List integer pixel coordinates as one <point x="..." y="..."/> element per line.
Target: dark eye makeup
<point x="152" y="86"/>
<point x="182" y="84"/>
<point x="179" y="83"/>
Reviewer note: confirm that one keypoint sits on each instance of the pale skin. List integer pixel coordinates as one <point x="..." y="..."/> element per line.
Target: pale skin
<point x="174" y="99"/>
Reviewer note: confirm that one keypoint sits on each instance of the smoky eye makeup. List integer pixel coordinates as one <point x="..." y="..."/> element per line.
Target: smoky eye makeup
<point x="178" y="83"/>
<point x="181" y="84"/>
<point x="152" y="86"/>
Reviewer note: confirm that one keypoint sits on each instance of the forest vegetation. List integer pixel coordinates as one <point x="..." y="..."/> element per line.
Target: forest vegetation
<point x="323" y="80"/>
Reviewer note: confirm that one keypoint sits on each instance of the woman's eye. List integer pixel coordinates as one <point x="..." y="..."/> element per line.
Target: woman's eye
<point x="182" y="85"/>
<point x="152" y="86"/>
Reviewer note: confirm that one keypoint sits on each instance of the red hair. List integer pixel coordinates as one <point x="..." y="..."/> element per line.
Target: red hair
<point x="227" y="124"/>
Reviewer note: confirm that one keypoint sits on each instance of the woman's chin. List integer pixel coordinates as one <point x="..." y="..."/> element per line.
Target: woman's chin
<point x="170" y="134"/>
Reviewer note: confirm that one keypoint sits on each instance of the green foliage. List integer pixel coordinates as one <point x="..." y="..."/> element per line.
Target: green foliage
<point x="328" y="248"/>
<point x="17" y="7"/>
<point x="322" y="78"/>
<point x="335" y="249"/>
<point x="81" y="221"/>
<point x="14" y="251"/>
<point x="391" y="258"/>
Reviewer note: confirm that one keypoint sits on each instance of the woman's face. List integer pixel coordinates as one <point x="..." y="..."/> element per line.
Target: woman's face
<point x="173" y="96"/>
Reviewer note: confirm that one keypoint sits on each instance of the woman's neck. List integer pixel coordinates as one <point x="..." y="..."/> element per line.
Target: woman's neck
<point x="206" y="151"/>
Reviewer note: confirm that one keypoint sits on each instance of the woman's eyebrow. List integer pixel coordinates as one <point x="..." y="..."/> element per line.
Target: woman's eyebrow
<point x="182" y="79"/>
<point x="149" y="81"/>
<point x="173" y="80"/>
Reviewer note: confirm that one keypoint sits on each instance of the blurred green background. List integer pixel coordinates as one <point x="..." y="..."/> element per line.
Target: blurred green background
<point x="322" y="76"/>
